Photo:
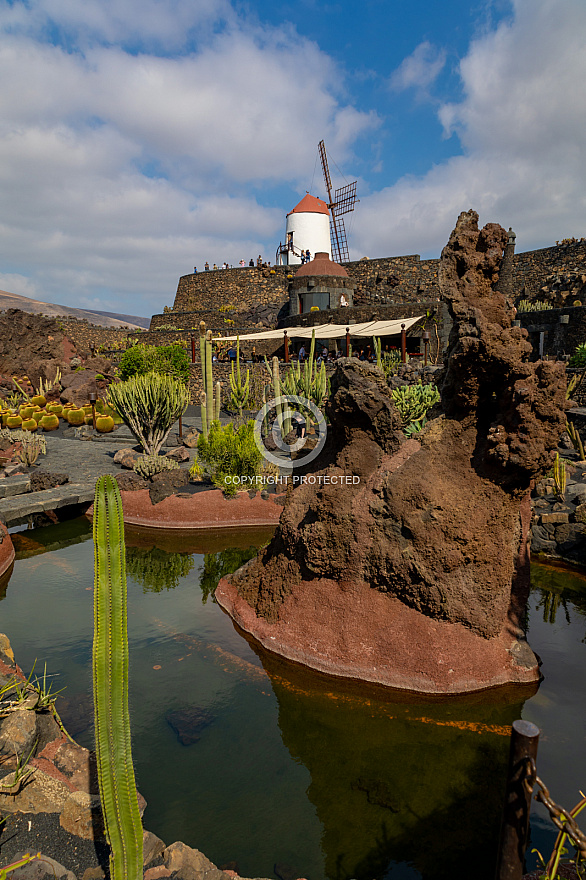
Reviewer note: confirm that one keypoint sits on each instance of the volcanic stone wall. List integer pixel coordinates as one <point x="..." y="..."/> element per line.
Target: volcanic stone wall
<point x="532" y="267"/>
<point x="560" y="336"/>
<point x="83" y="334"/>
<point x="237" y="289"/>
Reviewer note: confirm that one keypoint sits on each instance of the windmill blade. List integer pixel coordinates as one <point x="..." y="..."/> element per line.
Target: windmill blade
<point x="324" y="164"/>
<point x="338" y="238"/>
<point x="345" y="199"/>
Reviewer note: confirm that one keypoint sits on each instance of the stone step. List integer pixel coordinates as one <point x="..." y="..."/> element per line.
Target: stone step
<point x="15" y="509"/>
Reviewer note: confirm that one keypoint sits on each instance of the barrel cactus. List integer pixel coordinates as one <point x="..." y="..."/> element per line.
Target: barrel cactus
<point x="26" y="412"/>
<point x="39" y="400"/>
<point x="13" y="421"/>
<point x="29" y="425"/>
<point x="50" y="422"/>
<point x="104" y="424"/>
<point x="76" y="417"/>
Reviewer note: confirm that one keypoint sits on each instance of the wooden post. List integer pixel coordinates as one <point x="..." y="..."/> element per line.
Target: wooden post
<point x="403" y="344"/>
<point x="193" y="349"/>
<point x="347" y="342"/>
<point x="515" y="826"/>
<point x="286" y="341"/>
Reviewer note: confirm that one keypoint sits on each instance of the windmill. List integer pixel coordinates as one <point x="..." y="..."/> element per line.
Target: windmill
<point x="342" y="203"/>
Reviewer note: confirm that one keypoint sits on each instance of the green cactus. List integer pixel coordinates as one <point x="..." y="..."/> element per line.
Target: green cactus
<point x="576" y="439"/>
<point x="559" y="476"/>
<point x="148" y="465"/>
<point x="413" y="401"/>
<point x="378" y="351"/>
<point x="204" y="418"/>
<point x="218" y="401"/>
<point x="110" y="677"/>
<point x="308" y="382"/>
<point x="149" y="405"/>
<point x="240" y="391"/>
<point x="209" y="379"/>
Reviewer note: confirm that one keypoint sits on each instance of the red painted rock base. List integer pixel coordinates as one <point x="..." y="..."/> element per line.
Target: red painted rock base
<point x="204" y="510"/>
<point x="6" y="550"/>
<point x="356" y="632"/>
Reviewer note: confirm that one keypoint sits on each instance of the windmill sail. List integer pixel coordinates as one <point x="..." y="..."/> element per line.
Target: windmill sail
<point x="342" y="203"/>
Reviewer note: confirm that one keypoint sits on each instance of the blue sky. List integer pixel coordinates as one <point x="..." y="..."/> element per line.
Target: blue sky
<point x="139" y="138"/>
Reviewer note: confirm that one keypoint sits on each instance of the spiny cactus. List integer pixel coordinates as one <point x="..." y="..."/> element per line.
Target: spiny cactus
<point x="110" y="678"/>
<point x="240" y="391"/>
<point x="413" y="401"/>
<point x="559" y="475"/>
<point x="148" y="465"/>
<point x="576" y="439"/>
<point x="378" y="351"/>
<point x="149" y="405"/>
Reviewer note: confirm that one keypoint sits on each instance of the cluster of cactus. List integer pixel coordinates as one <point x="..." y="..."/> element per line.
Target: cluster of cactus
<point x="308" y="381"/>
<point x="413" y="402"/>
<point x="148" y="465"/>
<point x="37" y="413"/>
<point x="559" y="476"/>
<point x="110" y="680"/>
<point x="210" y="407"/>
<point x="576" y="439"/>
<point x="240" y="391"/>
<point x="31" y="445"/>
<point x="149" y="405"/>
<point x="537" y="305"/>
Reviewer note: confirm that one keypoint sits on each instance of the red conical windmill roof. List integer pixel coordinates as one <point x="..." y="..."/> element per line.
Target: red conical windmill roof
<point x="310" y="205"/>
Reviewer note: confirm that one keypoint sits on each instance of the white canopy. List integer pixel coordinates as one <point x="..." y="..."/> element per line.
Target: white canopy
<point x="329" y="331"/>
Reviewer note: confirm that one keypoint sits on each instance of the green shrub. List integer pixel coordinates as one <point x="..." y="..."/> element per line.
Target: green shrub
<point x="171" y="360"/>
<point x="228" y="453"/>
<point x="578" y="359"/>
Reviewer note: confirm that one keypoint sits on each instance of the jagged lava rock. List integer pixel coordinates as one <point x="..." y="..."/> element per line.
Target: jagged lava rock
<point x="417" y="577"/>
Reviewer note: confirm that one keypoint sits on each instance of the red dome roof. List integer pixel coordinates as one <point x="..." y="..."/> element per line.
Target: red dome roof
<point x="310" y="205"/>
<point x="321" y="265"/>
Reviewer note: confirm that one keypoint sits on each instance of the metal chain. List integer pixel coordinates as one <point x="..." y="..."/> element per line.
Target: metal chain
<point x="560" y="817"/>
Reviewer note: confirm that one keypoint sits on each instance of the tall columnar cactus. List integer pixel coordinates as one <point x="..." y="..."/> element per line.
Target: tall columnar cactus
<point x="576" y="439"/>
<point x="204" y="417"/>
<point x="149" y="405"/>
<point x="240" y="390"/>
<point x="209" y="379"/>
<point x="378" y="351"/>
<point x="559" y="476"/>
<point x="110" y="676"/>
<point x="308" y="382"/>
<point x="218" y="401"/>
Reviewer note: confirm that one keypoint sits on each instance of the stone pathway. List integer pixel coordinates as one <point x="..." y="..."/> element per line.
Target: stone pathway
<point x="83" y="460"/>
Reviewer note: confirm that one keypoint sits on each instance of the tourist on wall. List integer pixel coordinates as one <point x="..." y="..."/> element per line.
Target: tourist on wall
<point x="251" y="264"/>
<point x="259" y="262"/>
<point x="195" y="270"/>
<point x="307" y="256"/>
<point x="242" y="264"/>
<point x="207" y="267"/>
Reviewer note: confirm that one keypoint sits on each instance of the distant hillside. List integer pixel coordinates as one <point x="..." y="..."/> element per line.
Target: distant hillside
<point x="126" y="319"/>
<point x="53" y="310"/>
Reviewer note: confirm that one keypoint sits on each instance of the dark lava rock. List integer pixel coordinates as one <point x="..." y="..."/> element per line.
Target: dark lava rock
<point x="33" y="345"/>
<point x="167" y="483"/>
<point x="46" y="480"/>
<point x="189" y="722"/>
<point x="131" y="482"/>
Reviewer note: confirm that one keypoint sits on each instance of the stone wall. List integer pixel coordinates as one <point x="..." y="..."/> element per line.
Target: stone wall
<point x="532" y="267"/>
<point x="83" y="334"/>
<point x="560" y="336"/>
<point x="234" y="289"/>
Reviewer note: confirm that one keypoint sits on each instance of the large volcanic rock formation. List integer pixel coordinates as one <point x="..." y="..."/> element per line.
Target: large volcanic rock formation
<point x="33" y="345"/>
<point x="417" y="576"/>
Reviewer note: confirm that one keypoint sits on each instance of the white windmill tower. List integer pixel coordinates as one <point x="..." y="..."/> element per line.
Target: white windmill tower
<point x="317" y="226"/>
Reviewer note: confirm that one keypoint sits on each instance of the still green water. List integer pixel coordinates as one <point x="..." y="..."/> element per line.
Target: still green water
<point x="316" y="777"/>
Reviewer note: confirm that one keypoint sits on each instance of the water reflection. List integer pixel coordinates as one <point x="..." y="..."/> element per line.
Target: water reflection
<point x="155" y="570"/>
<point x="399" y="783"/>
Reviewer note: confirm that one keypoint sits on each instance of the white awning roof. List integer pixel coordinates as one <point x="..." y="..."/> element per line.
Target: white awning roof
<point x="329" y="331"/>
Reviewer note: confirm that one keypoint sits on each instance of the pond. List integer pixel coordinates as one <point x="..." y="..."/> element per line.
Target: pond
<point x="286" y="773"/>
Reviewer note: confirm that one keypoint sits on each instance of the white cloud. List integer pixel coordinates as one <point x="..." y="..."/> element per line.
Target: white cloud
<point x="419" y="70"/>
<point x="120" y="170"/>
<point x="522" y="124"/>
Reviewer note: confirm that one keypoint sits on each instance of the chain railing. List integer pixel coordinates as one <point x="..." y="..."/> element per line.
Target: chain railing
<point x="521" y="781"/>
